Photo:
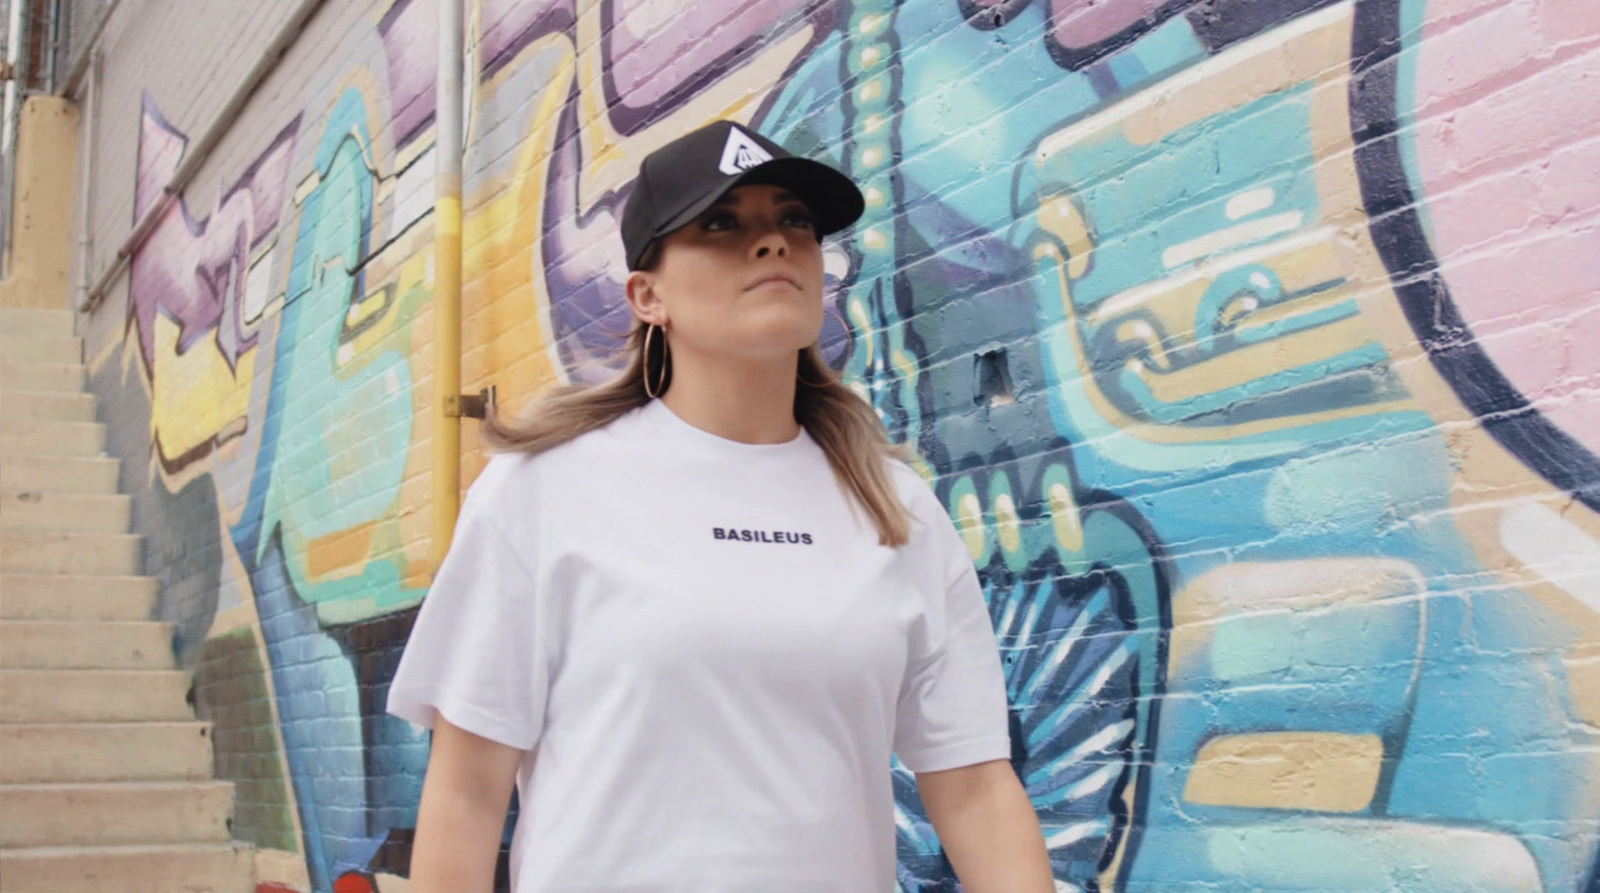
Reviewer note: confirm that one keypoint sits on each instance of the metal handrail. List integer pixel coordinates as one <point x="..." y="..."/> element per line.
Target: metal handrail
<point x="200" y="152"/>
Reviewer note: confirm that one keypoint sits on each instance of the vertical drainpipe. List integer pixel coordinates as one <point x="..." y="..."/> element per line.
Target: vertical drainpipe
<point x="8" y="129"/>
<point x="50" y="80"/>
<point x="447" y="126"/>
<point x="86" y="166"/>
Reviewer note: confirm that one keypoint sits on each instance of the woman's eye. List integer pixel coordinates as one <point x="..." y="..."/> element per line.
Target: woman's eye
<point x="799" y="218"/>
<point x="718" y="222"/>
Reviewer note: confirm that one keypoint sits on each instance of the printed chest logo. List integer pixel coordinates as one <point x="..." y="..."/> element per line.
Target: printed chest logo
<point x="760" y="536"/>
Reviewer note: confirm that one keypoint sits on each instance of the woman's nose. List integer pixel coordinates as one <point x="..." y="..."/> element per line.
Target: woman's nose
<point x="772" y="244"/>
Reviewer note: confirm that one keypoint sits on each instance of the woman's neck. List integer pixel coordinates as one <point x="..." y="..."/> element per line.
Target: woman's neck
<point x="751" y="401"/>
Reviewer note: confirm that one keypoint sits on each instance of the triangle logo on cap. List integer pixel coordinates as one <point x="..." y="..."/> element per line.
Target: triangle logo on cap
<point x="741" y="153"/>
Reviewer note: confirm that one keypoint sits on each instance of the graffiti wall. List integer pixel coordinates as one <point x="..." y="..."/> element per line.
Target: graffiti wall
<point x="1243" y="342"/>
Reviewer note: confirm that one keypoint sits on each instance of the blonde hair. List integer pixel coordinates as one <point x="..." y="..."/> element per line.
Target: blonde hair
<point x="843" y="424"/>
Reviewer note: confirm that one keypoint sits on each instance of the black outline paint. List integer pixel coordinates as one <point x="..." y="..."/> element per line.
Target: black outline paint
<point x="1424" y="295"/>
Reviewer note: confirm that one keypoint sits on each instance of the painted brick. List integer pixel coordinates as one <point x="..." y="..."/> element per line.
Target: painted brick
<point x="1305" y="419"/>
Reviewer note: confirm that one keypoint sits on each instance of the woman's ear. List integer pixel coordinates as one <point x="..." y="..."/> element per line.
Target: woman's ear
<point x="643" y="299"/>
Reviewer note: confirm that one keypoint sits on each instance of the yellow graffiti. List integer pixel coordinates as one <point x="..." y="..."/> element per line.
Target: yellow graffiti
<point x="196" y="399"/>
<point x="1323" y="771"/>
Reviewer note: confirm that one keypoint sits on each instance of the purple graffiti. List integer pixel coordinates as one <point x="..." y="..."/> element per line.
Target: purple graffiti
<point x="193" y="271"/>
<point x="584" y="269"/>
<point x="411" y="46"/>
<point x="659" y="54"/>
<point x="509" y="25"/>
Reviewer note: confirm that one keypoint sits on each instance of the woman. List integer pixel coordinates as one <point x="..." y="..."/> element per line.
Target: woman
<point x="691" y="612"/>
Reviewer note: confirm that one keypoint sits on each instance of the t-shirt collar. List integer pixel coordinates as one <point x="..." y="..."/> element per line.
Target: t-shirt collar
<point x="660" y="418"/>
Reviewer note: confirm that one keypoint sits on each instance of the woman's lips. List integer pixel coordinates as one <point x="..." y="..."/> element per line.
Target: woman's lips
<point x="772" y="280"/>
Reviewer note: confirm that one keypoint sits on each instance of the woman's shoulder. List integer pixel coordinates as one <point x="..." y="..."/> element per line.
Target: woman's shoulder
<point x="935" y="546"/>
<point x="521" y="475"/>
<point x="506" y="477"/>
<point x="914" y="490"/>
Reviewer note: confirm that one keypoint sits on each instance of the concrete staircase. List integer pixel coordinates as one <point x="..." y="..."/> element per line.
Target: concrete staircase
<point x="105" y="775"/>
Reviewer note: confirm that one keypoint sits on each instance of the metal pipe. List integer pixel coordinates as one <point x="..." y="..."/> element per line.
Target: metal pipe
<point x="55" y="47"/>
<point x="91" y="112"/>
<point x="197" y="156"/>
<point x="447" y="127"/>
<point x="15" y="46"/>
<point x="14" y="57"/>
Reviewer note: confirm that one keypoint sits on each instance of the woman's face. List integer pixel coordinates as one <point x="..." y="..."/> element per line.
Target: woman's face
<point x="744" y="278"/>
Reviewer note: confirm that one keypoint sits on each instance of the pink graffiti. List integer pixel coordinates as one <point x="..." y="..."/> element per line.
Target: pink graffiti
<point x="193" y="271"/>
<point x="1081" y="23"/>
<point x="1508" y="143"/>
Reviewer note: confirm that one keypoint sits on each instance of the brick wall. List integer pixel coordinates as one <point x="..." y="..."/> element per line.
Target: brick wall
<point x="1244" y="340"/>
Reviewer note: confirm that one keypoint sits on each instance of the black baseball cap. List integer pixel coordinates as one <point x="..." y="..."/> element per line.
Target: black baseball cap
<point x="680" y="180"/>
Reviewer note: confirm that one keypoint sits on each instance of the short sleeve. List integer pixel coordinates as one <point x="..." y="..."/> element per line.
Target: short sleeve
<point x="474" y="655"/>
<point x="952" y="710"/>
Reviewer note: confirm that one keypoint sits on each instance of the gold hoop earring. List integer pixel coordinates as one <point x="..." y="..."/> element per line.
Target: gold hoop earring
<point x="644" y="365"/>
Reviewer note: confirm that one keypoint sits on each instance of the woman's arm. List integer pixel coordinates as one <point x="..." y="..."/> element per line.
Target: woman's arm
<point x="465" y="797"/>
<point x="988" y="828"/>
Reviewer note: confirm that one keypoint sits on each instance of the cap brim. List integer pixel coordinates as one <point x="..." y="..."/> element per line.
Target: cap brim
<point x="833" y="199"/>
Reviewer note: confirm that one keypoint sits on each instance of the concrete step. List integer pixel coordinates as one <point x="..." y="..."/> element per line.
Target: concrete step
<point x="67" y="377"/>
<point x="37" y="437"/>
<point x="91" y="645"/>
<point x="65" y="597"/>
<point x="55" y="552"/>
<point x="114" y="813"/>
<point x="53" y="474"/>
<point x="94" y="696"/>
<point x="104" y="751"/>
<point x="74" y="512"/>
<point x="56" y="406"/>
<point x="193" y="868"/>
<point x="41" y="349"/>
<point x="32" y="321"/>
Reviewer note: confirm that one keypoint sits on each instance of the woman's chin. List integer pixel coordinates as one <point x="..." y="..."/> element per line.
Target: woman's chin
<point x="787" y="329"/>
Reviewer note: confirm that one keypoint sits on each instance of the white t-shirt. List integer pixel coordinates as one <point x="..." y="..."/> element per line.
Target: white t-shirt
<point x="708" y="658"/>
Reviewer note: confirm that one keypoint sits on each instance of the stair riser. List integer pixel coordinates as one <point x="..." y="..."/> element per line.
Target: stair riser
<point x="35" y="510"/>
<point x="95" y="476"/>
<point x="28" y="349"/>
<point x="99" y="752"/>
<point x="36" y="438"/>
<point x="29" y="321"/>
<point x="73" y="696"/>
<point x="50" y="407"/>
<point x="29" y="552"/>
<point x="63" y="377"/>
<point x="223" y="869"/>
<point x="86" y="646"/>
<point x="196" y="812"/>
<point x="52" y="597"/>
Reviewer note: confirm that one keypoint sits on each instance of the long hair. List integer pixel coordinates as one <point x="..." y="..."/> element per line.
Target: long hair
<point x="843" y="424"/>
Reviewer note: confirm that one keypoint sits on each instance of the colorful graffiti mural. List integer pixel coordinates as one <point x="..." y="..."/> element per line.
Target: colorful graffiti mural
<point x="1241" y="339"/>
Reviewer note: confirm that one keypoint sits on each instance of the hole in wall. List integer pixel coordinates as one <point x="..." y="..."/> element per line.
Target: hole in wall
<point x="993" y="379"/>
